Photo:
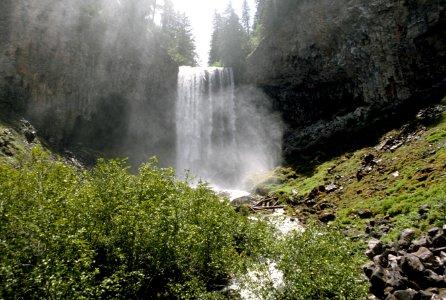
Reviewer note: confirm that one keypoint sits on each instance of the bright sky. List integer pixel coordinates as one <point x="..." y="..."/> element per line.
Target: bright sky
<point x="200" y="13"/>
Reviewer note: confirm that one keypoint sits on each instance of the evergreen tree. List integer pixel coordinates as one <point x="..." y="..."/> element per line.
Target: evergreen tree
<point x="246" y="18"/>
<point x="177" y="37"/>
<point x="216" y="40"/>
<point x="229" y="40"/>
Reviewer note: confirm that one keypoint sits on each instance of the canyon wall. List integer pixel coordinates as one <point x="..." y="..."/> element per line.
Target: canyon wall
<point x="88" y="76"/>
<point x="341" y="71"/>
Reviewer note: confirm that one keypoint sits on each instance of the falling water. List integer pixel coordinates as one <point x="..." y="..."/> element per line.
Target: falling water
<point x="211" y="142"/>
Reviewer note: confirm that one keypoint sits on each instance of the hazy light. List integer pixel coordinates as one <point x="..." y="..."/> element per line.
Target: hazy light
<point x="200" y="13"/>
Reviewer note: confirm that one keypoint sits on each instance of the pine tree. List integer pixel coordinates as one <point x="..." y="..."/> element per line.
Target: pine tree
<point x="215" y="51"/>
<point x="246" y="18"/>
<point x="177" y="37"/>
<point x="228" y="44"/>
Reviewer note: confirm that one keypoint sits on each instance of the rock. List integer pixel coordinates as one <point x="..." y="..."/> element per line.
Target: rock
<point x="405" y="237"/>
<point x="374" y="248"/>
<point x="378" y="282"/>
<point x="439" y="241"/>
<point x="381" y="260"/>
<point x="327" y="217"/>
<point x="442" y="293"/>
<point x="425" y="295"/>
<point x="368" y="159"/>
<point x="365" y="214"/>
<point x="77" y="88"/>
<point x="396" y="280"/>
<point x="421" y="242"/>
<point x="242" y="200"/>
<point x="412" y="266"/>
<point x="331" y="188"/>
<point x="424" y="254"/>
<point x="408" y="294"/>
<point x="431" y="279"/>
<point x="368" y="269"/>
<point x="424" y="209"/>
<point x="396" y="174"/>
<point x="433" y="232"/>
<point x="30" y="135"/>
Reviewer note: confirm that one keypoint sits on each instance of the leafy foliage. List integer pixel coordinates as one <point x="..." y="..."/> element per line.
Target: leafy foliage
<point x="77" y="234"/>
<point x="321" y="263"/>
<point x="317" y="263"/>
<point x="70" y="233"/>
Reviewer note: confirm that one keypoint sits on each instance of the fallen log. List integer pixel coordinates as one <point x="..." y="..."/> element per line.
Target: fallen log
<point x="263" y="201"/>
<point x="257" y="208"/>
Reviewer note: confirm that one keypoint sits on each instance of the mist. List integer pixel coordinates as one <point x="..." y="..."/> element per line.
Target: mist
<point x="91" y="76"/>
<point x="95" y="78"/>
<point x="225" y="135"/>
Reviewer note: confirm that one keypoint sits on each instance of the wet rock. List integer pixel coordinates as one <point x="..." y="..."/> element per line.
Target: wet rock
<point x="244" y="200"/>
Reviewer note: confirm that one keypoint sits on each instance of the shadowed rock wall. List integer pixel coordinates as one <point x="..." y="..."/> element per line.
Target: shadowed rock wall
<point x="339" y="69"/>
<point x="88" y="77"/>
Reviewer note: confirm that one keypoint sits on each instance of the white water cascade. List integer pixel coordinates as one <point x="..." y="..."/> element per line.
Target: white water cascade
<point x="220" y="136"/>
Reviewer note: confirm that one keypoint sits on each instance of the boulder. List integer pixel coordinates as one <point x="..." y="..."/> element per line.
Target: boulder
<point x="408" y="294"/>
<point x="412" y="266"/>
<point x="374" y="248"/>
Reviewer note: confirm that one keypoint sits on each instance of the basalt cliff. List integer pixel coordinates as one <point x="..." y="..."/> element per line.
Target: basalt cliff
<point x="341" y="72"/>
<point x="86" y="77"/>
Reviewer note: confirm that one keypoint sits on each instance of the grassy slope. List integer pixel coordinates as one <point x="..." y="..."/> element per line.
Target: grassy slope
<point x="13" y="143"/>
<point x="412" y="175"/>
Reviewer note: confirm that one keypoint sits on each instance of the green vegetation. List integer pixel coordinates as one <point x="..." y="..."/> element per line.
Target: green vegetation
<point x="317" y="263"/>
<point x="230" y="40"/>
<point x="75" y="234"/>
<point x="71" y="233"/>
<point x="176" y="36"/>
<point x="398" y="182"/>
<point x="322" y="263"/>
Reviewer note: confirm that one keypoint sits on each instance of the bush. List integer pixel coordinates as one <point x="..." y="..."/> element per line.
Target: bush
<point x="68" y="233"/>
<point x="321" y="263"/>
<point x="77" y="234"/>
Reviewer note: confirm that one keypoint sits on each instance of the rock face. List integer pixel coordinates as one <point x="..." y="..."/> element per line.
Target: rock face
<point x="337" y="67"/>
<point x="86" y="76"/>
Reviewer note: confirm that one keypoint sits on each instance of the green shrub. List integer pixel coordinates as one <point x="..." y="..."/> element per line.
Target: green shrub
<point x="321" y="263"/>
<point x="68" y="233"/>
<point x="318" y="263"/>
<point x="77" y="234"/>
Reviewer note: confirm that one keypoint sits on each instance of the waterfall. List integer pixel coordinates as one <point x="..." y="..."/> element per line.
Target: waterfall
<point x="213" y="140"/>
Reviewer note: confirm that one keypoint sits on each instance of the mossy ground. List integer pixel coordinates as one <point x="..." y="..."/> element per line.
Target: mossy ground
<point x="13" y="143"/>
<point x="395" y="185"/>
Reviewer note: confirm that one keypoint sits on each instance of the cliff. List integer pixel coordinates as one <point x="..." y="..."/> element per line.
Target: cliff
<point x="342" y="70"/>
<point x="88" y="77"/>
